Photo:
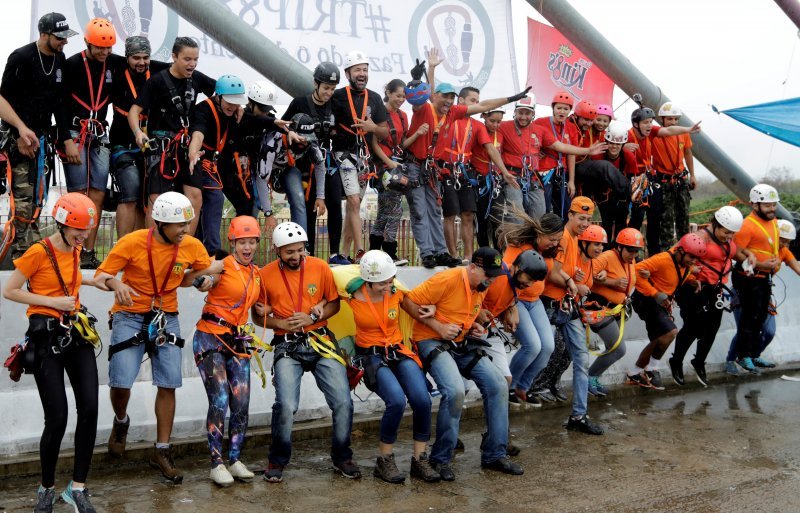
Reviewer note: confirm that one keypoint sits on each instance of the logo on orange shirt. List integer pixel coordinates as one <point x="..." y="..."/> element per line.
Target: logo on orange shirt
<point x="312" y="289"/>
<point x="178" y="268"/>
<point x="393" y="313"/>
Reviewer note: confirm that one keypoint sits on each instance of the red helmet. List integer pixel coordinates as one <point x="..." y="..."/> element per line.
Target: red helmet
<point x="563" y="97"/>
<point x="100" y="32"/>
<point x="243" y="227"/>
<point x="586" y="109"/>
<point x="594" y="233"/>
<point x="630" y="237"/>
<point x="693" y="244"/>
<point x="75" y="210"/>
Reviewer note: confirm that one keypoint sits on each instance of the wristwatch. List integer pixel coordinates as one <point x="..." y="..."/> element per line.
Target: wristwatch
<point x="268" y="213"/>
<point x="314" y="317"/>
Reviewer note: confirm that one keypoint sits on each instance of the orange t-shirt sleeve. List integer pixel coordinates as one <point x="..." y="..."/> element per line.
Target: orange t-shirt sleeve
<point x="785" y="255"/>
<point x="29" y="262"/>
<point x="330" y="291"/>
<point x="429" y="292"/>
<point x="35" y="265"/>
<point x="645" y="286"/>
<point x="118" y="257"/>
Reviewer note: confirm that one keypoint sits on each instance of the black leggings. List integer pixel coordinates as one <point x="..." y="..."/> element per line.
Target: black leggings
<point x="701" y="320"/>
<point x="754" y="296"/>
<point x="333" y="202"/>
<point x="81" y="367"/>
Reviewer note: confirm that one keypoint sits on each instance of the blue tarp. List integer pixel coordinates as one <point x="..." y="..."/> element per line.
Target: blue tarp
<point x="780" y="119"/>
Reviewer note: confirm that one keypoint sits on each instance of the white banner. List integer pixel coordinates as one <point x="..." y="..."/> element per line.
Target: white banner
<point x="474" y="36"/>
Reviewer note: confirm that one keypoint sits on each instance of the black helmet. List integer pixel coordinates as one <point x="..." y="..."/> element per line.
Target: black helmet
<point x="641" y="114"/>
<point x="327" y="72"/>
<point x="531" y="263"/>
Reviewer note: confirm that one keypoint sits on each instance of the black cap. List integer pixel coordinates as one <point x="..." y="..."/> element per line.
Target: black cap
<point x="304" y="125"/>
<point x="55" y="23"/>
<point x="489" y="260"/>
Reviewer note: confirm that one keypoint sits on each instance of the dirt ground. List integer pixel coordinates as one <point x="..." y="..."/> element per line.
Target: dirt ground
<point x="733" y="447"/>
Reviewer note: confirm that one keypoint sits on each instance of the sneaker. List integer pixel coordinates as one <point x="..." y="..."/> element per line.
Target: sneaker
<point x="640" y="379"/>
<point x="359" y="254"/>
<point x="504" y="465"/>
<point x="584" y="425"/>
<point x="747" y="364"/>
<point x="118" y="437"/>
<point x="162" y="460"/>
<point x="386" y="469"/>
<point x="45" y="498"/>
<point x="448" y="260"/>
<point x="429" y="262"/>
<point x="700" y="370"/>
<point x="558" y="393"/>
<point x="78" y="499"/>
<point x="338" y="259"/>
<point x="240" y="471"/>
<point x="677" y="371"/>
<point x="517" y="396"/>
<point x="400" y="262"/>
<point x="544" y="395"/>
<point x="445" y="470"/>
<point x="533" y="400"/>
<point x="348" y="469"/>
<point x="512" y="450"/>
<point x="595" y="388"/>
<point x="421" y="469"/>
<point x="89" y="259"/>
<point x="221" y="476"/>
<point x="761" y="362"/>
<point x="274" y="473"/>
<point x="655" y="379"/>
<point x="730" y="368"/>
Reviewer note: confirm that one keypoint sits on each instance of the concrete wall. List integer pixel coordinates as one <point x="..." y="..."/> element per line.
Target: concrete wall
<point x="22" y="413"/>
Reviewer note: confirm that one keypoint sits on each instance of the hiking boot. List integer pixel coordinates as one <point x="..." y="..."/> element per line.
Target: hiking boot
<point x="359" y="254"/>
<point x="386" y="469"/>
<point x="595" y="388"/>
<point x="89" y="259"/>
<point x="730" y="368"/>
<point x="448" y="260"/>
<point x="747" y="364"/>
<point x="655" y="379"/>
<point x="700" y="370"/>
<point x="240" y="471"/>
<point x="349" y="469"/>
<point x="338" y="259"/>
<point x="274" y="473"/>
<point x="78" y="499"/>
<point x="640" y="379"/>
<point x="544" y="395"/>
<point x="421" y="469"/>
<point x="445" y="470"/>
<point x="677" y="371"/>
<point x="761" y="362"/>
<point x="221" y="476"/>
<point x="162" y="460"/>
<point x="429" y="262"/>
<point x="118" y="437"/>
<point x="504" y="465"/>
<point x="45" y="498"/>
<point x="558" y="393"/>
<point x="584" y="425"/>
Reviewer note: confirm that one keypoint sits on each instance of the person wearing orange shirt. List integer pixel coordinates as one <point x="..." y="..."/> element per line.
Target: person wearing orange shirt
<point x="221" y="348"/>
<point x="614" y="282"/>
<point x="758" y="257"/>
<point x="47" y="267"/>
<point x="302" y="295"/>
<point x="391" y="369"/>
<point x="154" y="263"/>
<point x="662" y="275"/>
<point x="449" y="346"/>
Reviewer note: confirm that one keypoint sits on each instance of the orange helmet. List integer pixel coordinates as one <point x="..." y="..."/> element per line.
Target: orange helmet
<point x="594" y="233"/>
<point x="563" y="97"/>
<point x="100" y="32"/>
<point x="586" y="109"/>
<point x="630" y="237"/>
<point x="244" y="226"/>
<point x="76" y="211"/>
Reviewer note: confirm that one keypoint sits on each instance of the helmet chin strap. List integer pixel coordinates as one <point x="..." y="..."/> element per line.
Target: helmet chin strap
<point x="161" y="232"/>
<point x="63" y="237"/>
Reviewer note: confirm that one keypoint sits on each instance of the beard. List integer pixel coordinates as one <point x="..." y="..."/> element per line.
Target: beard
<point x="482" y="286"/>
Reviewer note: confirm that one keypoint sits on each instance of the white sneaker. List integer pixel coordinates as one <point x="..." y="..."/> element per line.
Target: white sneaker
<point x="221" y="476"/>
<point x="240" y="471"/>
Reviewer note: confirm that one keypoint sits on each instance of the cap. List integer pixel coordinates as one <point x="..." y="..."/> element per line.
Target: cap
<point x="582" y="205"/>
<point x="137" y="44"/>
<point x="236" y="99"/>
<point x="55" y="23"/>
<point x="304" y="126"/>
<point x="445" y="88"/>
<point x="489" y="260"/>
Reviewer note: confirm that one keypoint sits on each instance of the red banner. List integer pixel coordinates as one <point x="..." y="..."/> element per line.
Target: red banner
<point x="555" y="64"/>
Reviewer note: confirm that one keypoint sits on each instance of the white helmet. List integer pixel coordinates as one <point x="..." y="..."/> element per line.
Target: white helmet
<point x="377" y="266"/>
<point x="354" y="58"/>
<point x="763" y="193"/>
<point x="262" y="92"/>
<point x="172" y="207"/>
<point x="288" y="233"/>
<point x="786" y="229"/>
<point x="528" y="102"/>
<point x="616" y="133"/>
<point x="669" y="109"/>
<point x="729" y="218"/>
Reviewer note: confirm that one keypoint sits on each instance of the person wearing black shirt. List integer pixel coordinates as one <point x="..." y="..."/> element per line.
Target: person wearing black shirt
<point x="169" y="98"/>
<point x="32" y="82"/>
<point x="360" y="114"/>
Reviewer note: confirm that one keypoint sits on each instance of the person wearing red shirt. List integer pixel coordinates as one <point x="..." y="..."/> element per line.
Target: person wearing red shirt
<point x="605" y="115"/>
<point x="489" y="178"/>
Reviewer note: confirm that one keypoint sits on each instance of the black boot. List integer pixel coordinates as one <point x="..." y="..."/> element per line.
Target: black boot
<point x="390" y="248"/>
<point x="375" y="241"/>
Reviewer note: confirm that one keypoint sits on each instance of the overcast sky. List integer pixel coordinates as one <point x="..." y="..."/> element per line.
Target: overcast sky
<point x="729" y="53"/>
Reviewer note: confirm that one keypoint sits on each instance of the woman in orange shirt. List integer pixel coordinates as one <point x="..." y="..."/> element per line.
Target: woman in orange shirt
<point x="51" y="270"/>
<point x="221" y="348"/>
<point x="391" y="370"/>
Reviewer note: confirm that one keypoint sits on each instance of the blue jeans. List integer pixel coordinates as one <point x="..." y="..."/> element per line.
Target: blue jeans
<point x="211" y="214"/>
<point x="768" y="330"/>
<point x="404" y="379"/>
<point x="293" y="186"/>
<point x="331" y="378"/>
<point x="124" y="366"/>
<point x="494" y="389"/>
<point x="93" y="170"/>
<point x="575" y="338"/>
<point x="426" y="215"/>
<point x="536" y="344"/>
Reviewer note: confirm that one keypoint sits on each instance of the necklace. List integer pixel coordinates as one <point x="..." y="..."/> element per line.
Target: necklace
<point x="46" y="73"/>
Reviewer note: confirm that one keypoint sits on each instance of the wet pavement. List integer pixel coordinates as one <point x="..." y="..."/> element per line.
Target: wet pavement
<point x="733" y="447"/>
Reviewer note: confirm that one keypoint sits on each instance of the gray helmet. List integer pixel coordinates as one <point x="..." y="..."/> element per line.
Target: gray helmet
<point x="304" y="126"/>
<point x="531" y="263"/>
<point x="641" y="114"/>
<point x="327" y="72"/>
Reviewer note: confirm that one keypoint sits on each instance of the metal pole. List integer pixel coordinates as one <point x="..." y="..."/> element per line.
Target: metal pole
<point x="597" y="48"/>
<point x="247" y="43"/>
<point x="792" y="9"/>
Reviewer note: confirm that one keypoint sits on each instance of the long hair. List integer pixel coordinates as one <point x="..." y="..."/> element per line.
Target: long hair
<point x="525" y="229"/>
